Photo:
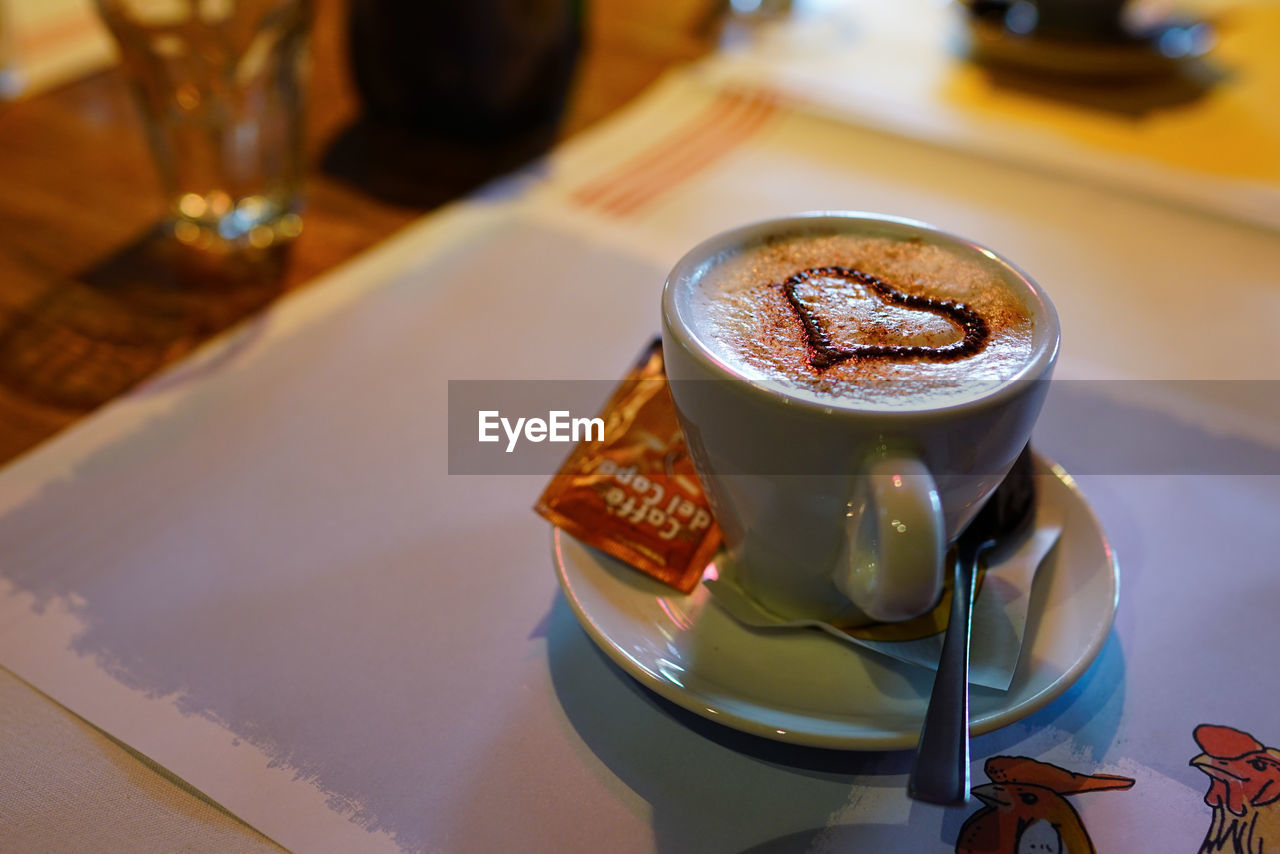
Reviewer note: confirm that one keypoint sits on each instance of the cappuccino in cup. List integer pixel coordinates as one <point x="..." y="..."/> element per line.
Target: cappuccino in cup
<point x="864" y="321"/>
<point x="852" y="389"/>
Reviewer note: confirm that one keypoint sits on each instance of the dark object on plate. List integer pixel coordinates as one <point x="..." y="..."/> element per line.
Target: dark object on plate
<point x="940" y="773"/>
<point x="1087" y="20"/>
<point x="1083" y="40"/>
<point x="471" y="69"/>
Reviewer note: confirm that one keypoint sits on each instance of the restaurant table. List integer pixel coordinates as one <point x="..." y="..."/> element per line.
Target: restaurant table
<point x="259" y="570"/>
<point x="91" y="302"/>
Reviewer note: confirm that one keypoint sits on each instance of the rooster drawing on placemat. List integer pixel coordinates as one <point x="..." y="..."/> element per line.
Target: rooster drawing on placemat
<point x="1244" y="791"/>
<point x="1026" y="811"/>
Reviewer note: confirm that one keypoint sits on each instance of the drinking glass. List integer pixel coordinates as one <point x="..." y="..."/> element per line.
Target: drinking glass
<point x="221" y="84"/>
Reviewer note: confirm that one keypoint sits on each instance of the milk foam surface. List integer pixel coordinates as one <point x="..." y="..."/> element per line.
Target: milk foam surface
<point x="740" y="312"/>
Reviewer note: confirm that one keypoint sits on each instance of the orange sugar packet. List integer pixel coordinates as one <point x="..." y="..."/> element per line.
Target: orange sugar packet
<point x="634" y="494"/>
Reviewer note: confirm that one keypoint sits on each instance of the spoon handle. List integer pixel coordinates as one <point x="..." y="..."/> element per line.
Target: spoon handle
<point x="940" y="774"/>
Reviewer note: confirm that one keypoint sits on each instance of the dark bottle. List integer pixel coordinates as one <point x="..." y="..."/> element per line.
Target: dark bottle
<point x="466" y="68"/>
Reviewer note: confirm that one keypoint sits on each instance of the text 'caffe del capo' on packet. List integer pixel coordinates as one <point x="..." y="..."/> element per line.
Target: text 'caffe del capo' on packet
<point x="634" y="494"/>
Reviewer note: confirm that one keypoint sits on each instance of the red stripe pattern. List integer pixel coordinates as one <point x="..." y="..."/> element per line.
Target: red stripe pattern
<point x="728" y="121"/>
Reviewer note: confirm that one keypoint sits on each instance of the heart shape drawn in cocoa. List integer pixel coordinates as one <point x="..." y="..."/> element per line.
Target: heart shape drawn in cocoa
<point x="823" y="353"/>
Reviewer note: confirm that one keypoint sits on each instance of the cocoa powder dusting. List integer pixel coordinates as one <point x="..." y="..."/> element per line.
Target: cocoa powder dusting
<point x="898" y="323"/>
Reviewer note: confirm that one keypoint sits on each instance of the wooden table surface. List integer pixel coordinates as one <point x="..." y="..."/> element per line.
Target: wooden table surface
<point x="93" y="300"/>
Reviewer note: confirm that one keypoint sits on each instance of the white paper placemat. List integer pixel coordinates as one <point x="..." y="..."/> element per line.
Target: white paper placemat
<point x="257" y="571"/>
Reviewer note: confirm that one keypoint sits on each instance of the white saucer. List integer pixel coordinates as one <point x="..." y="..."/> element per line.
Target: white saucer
<point x="808" y="688"/>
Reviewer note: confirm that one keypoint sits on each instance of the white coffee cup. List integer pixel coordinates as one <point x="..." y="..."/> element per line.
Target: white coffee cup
<point x="838" y="510"/>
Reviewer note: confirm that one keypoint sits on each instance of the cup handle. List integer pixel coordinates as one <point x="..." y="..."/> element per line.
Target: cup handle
<point x="891" y="563"/>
